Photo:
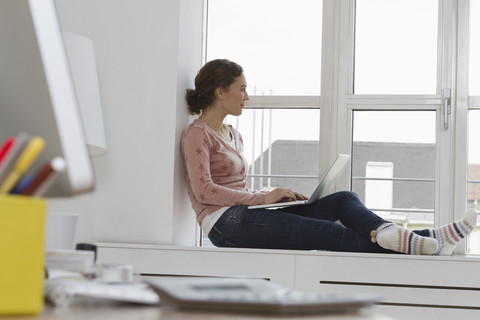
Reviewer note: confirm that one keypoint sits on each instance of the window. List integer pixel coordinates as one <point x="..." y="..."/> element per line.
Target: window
<point x="473" y="176"/>
<point x="474" y="49"/>
<point x="394" y="120"/>
<point x="406" y="83"/>
<point x="396" y="46"/>
<point x="396" y="83"/>
<point x="278" y="44"/>
<point x="409" y="79"/>
<point x="473" y="168"/>
<point x="394" y="164"/>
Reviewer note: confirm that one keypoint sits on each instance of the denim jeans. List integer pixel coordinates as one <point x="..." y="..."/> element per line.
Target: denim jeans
<point x="307" y="227"/>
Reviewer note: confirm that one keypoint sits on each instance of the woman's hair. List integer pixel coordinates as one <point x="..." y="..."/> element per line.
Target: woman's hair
<point x="214" y="74"/>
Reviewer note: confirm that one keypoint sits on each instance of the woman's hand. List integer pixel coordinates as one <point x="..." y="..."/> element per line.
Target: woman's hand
<point x="283" y="195"/>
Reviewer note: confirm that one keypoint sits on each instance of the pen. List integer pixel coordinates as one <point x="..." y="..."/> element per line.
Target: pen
<point x="44" y="177"/>
<point x="25" y="182"/>
<point x="28" y="156"/>
<point x="5" y="148"/>
<point x="21" y="141"/>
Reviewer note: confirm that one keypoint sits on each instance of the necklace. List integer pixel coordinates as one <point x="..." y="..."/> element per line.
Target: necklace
<point x="224" y="133"/>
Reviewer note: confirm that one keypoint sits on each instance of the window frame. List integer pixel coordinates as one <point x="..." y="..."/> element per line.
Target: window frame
<point x="337" y="64"/>
<point x="337" y="100"/>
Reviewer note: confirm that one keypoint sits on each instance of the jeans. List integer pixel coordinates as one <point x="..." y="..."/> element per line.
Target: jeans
<point x="307" y="227"/>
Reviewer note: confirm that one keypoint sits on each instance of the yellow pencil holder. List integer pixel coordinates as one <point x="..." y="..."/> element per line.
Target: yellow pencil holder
<point x="22" y="231"/>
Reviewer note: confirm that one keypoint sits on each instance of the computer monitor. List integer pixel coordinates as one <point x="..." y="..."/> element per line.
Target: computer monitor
<point x="37" y="93"/>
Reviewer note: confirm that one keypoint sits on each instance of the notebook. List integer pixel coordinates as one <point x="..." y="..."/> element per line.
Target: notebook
<point x="322" y="189"/>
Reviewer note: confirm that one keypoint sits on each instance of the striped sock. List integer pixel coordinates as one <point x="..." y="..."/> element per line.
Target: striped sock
<point x="449" y="235"/>
<point x="392" y="237"/>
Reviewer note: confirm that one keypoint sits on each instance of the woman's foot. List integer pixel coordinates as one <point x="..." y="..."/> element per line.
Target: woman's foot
<point x="392" y="237"/>
<point x="449" y="235"/>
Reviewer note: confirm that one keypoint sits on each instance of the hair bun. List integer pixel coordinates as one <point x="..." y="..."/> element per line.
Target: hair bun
<point x="191" y="96"/>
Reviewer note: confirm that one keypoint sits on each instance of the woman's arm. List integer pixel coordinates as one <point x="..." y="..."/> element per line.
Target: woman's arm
<point x="197" y="147"/>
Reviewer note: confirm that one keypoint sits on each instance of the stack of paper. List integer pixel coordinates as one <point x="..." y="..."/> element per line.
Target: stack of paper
<point x="70" y="260"/>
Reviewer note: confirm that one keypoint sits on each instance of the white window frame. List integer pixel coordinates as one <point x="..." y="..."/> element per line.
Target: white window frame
<point x="336" y="122"/>
<point x="337" y="101"/>
<point x="462" y="103"/>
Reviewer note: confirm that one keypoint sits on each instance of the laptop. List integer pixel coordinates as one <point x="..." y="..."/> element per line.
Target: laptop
<point x="322" y="189"/>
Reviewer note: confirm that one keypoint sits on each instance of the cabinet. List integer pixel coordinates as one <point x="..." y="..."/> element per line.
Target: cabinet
<point x="412" y="286"/>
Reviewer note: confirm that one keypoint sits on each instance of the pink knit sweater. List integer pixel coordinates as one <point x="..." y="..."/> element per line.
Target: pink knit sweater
<point x="215" y="171"/>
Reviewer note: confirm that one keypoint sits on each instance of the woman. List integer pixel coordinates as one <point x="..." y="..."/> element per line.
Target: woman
<point x="216" y="171"/>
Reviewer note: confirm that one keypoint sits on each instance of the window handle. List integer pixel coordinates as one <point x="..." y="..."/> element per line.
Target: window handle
<point x="446" y="107"/>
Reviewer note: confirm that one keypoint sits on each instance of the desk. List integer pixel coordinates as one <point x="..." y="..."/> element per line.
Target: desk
<point x="98" y="311"/>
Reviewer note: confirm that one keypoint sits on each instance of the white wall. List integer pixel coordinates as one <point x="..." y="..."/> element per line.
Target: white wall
<point x="147" y="52"/>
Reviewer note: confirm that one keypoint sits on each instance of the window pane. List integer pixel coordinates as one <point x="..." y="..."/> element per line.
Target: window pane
<point x="473" y="175"/>
<point x="474" y="46"/>
<point x="277" y="42"/>
<point x="393" y="164"/>
<point x="281" y="142"/>
<point x="396" y="46"/>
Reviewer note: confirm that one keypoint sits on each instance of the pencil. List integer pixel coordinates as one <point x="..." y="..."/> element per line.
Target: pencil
<point x="26" y="159"/>
<point x="45" y="177"/>
<point x="8" y="163"/>
<point x="5" y="148"/>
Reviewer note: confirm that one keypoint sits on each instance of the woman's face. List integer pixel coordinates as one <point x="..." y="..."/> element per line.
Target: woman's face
<point x="233" y="99"/>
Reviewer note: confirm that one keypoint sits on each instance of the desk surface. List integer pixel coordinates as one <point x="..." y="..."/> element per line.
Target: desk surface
<point x="135" y="312"/>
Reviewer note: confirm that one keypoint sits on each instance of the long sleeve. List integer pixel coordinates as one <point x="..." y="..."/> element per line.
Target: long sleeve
<point x="215" y="171"/>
